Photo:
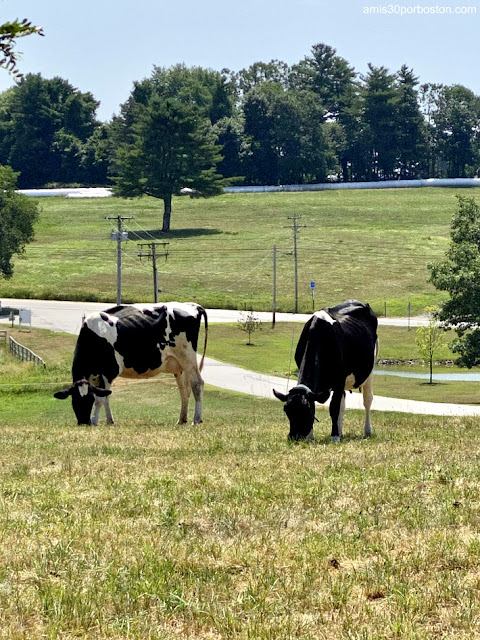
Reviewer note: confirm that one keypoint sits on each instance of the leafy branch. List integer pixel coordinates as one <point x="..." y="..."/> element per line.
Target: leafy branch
<point x="9" y="33"/>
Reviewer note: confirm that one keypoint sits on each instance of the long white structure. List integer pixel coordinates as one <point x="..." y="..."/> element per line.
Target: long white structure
<point x="105" y="192"/>
<point x="73" y="192"/>
<point x="385" y="184"/>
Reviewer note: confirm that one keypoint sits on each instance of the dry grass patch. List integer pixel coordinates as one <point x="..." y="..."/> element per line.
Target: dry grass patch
<point x="224" y="530"/>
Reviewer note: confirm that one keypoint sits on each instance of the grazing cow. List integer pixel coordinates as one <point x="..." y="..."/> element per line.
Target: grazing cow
<point x="336" y="352"/>
<point x="136" y="341"/>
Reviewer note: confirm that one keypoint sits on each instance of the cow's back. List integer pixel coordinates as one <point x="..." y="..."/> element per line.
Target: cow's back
<point x="335" y="343"/>
<point x="141" y="337"/>
<point x="357" y="337"/>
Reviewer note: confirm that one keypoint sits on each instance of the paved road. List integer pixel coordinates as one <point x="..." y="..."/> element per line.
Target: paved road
<point x="67" y="316"/>
<point x="220" y="374"/>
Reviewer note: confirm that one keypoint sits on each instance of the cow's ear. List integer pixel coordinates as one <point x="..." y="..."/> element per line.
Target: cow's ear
<point x="62" y="395"/>
<point x="280" y="396"/>
<point x="101" y="393"/>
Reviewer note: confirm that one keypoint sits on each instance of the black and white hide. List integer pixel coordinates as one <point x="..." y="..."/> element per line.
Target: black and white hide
<point x="136" y="341"/>
<point x="335" y="353"/>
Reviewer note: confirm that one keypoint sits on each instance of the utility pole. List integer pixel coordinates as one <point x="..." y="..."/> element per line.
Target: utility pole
<point x="151" y="252"/>
<point x="274" y="305"/>
<point x="295" y="227"/>
<point x="120" y="236"/>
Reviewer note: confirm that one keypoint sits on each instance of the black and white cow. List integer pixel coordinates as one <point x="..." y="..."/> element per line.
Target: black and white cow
<point x="335" y="353"/>
<point x="136" y="341"/>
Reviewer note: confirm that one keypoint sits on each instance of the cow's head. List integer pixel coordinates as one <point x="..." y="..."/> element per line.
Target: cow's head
<point x="300" y="410"/>
<point x="83" y="396"/>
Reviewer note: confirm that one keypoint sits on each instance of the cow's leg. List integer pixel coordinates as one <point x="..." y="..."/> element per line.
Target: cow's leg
<point x="108" y="411"/>
<point x="99" y="403"/>
<point x="98" y="406"/>
<point x="337" y="409"/>
<point x="197" y="388"/>
<point x="367" y="403"/>
<point x="102" y="401"/>
<point x="184" y="389"/>
<point x="341" y="415"/>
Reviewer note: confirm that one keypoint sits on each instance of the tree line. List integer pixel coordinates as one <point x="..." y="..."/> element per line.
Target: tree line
<point x="270" y="123"/>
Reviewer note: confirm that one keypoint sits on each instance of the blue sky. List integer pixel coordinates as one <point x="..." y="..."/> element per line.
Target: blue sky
<point x="102" y="46"/>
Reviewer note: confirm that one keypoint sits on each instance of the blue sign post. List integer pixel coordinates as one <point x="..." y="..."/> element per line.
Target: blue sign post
<point x="312" y="289"/>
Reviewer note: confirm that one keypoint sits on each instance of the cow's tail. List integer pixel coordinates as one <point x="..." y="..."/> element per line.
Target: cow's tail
<point x="205" y="318"/>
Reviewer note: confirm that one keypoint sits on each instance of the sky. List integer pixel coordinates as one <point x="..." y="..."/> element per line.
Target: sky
<point x="103" y="46"/>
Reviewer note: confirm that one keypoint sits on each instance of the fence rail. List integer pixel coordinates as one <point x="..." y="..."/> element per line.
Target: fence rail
<point x="23" y="353"/>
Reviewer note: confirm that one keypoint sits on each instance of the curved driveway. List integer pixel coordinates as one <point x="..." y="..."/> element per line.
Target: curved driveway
<point x="67" y="316"/>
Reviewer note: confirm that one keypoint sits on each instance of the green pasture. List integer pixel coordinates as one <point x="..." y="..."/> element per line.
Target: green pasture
<point x="373" y="245"/>
<point x="272" y="353"/>
<point x="224" y="530"/>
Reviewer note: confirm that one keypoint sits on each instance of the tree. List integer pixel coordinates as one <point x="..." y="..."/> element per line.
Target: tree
<point x="411" y="126"/>
<point x="207" y="91"/>
<point x="17" y="217"/>
<point x="229" y="132"/>
<point x="459" y="275"/>
<point x="249" y="322"/>
<point x="284" y="136"/>
<point x="380" y="114"/>
<point x="260" y="72"/>
<point x="326" y="74"/>
<point x="452" y="116"/>
<point x="351" y="143"/>
<point x="429" y="338"/>
<point x="44" y="127"/>
<point x="170" y="146"/>
<point x="9" y="34"/>
<point x="457" y="122"/>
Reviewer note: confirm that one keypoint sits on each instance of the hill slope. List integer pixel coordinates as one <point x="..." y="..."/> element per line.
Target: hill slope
<point x="372" y="245"/>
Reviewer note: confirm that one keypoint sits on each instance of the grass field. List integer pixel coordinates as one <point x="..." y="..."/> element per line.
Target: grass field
<point x="147" y="530"/>
<point x="224" y="530"/>
<point x="272" y="353"/>
<point x="373" y="245"/>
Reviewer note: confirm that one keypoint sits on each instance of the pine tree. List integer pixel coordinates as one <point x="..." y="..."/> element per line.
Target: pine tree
<point x="170" y="147"/>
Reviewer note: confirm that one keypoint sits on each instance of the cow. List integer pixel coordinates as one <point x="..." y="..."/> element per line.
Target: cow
<point x="136" y="341"/>
<point x="335" y="353"/>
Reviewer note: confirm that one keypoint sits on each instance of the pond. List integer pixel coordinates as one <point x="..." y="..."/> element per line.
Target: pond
<point x="438" y="377"/>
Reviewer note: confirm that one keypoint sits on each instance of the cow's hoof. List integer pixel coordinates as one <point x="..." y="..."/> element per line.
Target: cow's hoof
<point x="181" y="421"/>
<point x="335" y="438"/>
<point x="197" y="422"/>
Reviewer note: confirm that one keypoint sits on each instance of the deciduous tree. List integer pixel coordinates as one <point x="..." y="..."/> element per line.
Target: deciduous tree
<point x="10" y="32"/>
<point x="44" y="126"/>
<point x="17" y="217"/>
<point x="459" y="276"/>
<point x="429" y="339"/>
